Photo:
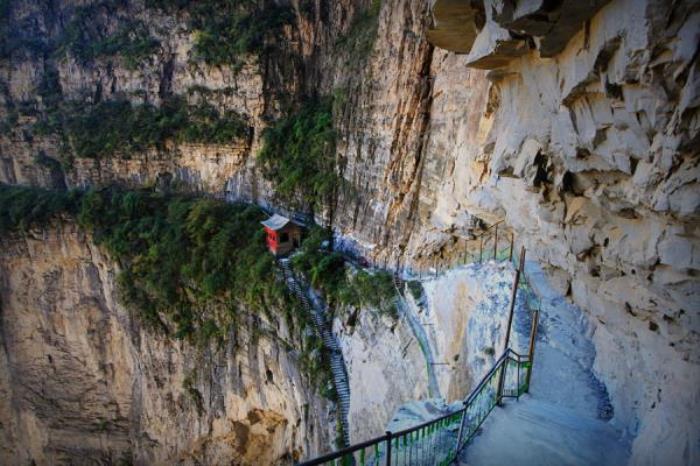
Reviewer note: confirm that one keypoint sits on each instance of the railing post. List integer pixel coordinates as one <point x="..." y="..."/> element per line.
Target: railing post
<point x="388" y="448"/>
<point x="461" y="429"/>
<point x="517" y="388"/>
<point x="510" y="255"/>
<point x="514" y="294"/>
<point x="501" y="381"/>
<point x="531" y="350"/>
<point x="495" y="243"/>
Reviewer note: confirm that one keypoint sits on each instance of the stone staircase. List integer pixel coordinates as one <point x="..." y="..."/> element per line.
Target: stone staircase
<point x="317" y="310"/>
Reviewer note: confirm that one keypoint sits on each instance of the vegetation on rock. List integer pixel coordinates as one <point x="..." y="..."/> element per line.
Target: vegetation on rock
<point x="298" y="155"/>
<point x="227" y="30"/>
<point x="83" y="39"/>
<point x="358" y="42"/>
<point x="22" y="208"/>
<point x="342" y="284"/>
<point x="189" y="266"/>
<point x="109" y="127"/>
<point x="86" y="36"/>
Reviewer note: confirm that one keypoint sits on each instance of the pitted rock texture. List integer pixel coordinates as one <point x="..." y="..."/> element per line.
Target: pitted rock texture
<point x="578" y="126"/>
<point x="83" y="383"/>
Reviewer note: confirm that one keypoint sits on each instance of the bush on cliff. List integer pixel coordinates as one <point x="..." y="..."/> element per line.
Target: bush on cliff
<point x="188" y="266"/>
<point x="298" y="155"/>
<point x="225" y="31"/>
<point x="117" y="126"/>
<point x="340" y="283"/>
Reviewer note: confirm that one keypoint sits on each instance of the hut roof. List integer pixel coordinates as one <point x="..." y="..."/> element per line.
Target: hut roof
<point x="277" y="222"/>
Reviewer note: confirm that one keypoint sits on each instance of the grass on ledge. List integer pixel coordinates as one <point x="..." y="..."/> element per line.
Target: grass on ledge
<point x="117" y="126"/>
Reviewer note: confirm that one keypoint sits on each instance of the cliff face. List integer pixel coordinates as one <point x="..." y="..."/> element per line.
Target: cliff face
<point x="83" y="383"/>
<point x="579" y="128"/>
<point x="589" y="151"/>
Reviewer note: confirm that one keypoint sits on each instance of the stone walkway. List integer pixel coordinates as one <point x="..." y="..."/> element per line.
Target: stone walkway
<point x="564" y="418"/>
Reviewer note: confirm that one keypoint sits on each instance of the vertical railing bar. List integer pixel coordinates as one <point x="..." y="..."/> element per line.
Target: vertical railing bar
<point x="388" y="449"/>
<point x="481" y="248"/>
<point x="517" y="381"/>
<point x="461" y="427"/>
<point x="495" y="243"/>
<point x="510" y="254"/>
<point x="513" y="296"/>
<point x="531" y="349"/>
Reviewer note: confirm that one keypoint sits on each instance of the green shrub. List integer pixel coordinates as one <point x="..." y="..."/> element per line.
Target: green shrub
<point x="416" y="289"/>
<point x="23" y="207"/>
<point x="183" y="256"/>
<point x="226" y="30"/>
<point x="298" y="154"/>
<point x="109" y="127"/>
<point x="340" y="284"/>
<point x="187" y="264"/>
<point x="84" y="40"/>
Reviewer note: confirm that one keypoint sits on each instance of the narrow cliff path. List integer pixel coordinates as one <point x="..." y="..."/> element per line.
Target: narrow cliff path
<point x="317" y="310"/>
<point x="419" y="333"/>
<point x="564" y="418"/>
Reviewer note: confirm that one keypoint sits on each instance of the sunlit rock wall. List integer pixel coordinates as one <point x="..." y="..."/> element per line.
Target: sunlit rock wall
<point x="81" y="382"/>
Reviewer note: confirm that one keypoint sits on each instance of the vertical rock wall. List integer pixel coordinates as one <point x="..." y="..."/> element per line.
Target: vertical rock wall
<point x="577" y="125"/>
<point x="83" y="383"/>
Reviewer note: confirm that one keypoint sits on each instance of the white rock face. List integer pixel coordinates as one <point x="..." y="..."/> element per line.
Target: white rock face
<point x="591" y="157"/>
<point x="582" y="133"/>
<point x="465" y="315"/>
<point x="386" y="369"/>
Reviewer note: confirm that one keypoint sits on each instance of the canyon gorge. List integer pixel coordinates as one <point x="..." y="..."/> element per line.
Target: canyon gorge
<point x="412" y="126"/>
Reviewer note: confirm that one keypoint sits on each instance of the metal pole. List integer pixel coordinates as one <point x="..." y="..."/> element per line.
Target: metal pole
<point x="388" y="448"/>
<point x="531" y="351"/>
<point x="510" y="255"/>
<point x="501" y="381"/>
<point x="513" y="295"/>
<point x="461" y="429"/>
<point x="495" y="243"/>
<point x="517" y="388"/>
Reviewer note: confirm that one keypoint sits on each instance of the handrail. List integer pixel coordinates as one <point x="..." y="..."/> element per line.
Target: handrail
<point x="476" y="250"/>
<point x="407" y="437"/>
<point x="436" y="435"/>
<point x="474" y="392"/>
<point x="491" y="226"/>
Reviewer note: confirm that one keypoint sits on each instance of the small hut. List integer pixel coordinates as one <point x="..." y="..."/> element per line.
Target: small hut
<point x="283" y="234"/>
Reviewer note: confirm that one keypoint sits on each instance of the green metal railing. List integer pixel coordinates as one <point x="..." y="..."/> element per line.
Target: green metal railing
<point x="439" y="442"/>
<point x="493" y="243"/>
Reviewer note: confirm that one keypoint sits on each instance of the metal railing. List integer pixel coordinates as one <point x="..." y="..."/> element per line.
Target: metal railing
<point x="439" y="441"/>
<point x="493" y="243"/>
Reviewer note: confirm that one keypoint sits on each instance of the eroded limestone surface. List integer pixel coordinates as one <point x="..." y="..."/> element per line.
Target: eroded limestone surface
<point x="577" y="126"/>
<point x="81" y="382"/>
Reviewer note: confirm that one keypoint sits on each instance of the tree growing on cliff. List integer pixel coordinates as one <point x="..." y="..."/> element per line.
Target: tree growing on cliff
<point x="298" y="155"/>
